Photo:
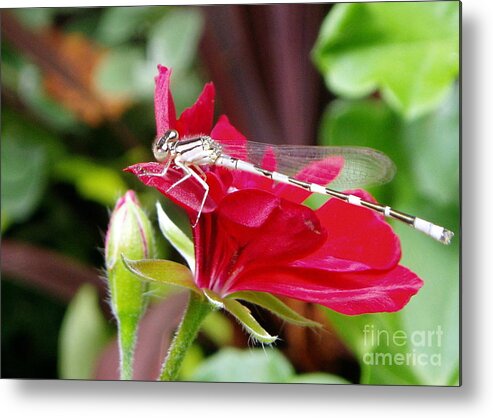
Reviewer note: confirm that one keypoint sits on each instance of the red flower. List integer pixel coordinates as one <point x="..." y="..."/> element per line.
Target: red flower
<point x="255" y="235"/>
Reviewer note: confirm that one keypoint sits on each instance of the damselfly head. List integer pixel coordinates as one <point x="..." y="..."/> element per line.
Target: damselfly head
<point x="162" y="144"/>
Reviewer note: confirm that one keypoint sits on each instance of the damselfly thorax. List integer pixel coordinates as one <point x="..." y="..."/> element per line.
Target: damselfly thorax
<point x="361" y="167"/>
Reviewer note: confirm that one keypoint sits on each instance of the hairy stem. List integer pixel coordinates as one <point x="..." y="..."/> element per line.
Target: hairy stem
<point x="127" y="336"/>
<point x="196" y="311"/>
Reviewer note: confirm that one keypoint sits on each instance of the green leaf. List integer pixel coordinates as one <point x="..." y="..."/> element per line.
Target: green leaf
<point x="92" y="181"/>
<point x="120" y="24"/>
<point x="173" y="34"/>
<point x="32" y="91"/>
<point x="432" y="144"/>
<point x="425" y="151"/>
<point x="255" y="365"/>
<point x="83" y="334"/>
<point x="234" y="365"/>
<point x="26" y="80"/>
<point x="174" y="39"/>
<point x="117" y="72"/>
<point x="176" y="237"/>
<point x="23" y="185"/>
<point x="409" y="51"/>
<point x="436" y="307"/>
<point x="35" y="17"/>
<point x="187" y="86"/>
<point x="367" y="123"/>
<point x="162" y="271"/>
<point x="245" y="318"/>
<point x="276" y="306"/>
<point x="318" y="378"/>
<point x="370" y="337"/>
<point x="363" y="123"/>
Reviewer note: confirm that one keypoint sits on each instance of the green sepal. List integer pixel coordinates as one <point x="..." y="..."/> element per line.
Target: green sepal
<point x="243" y="315"/>
<point x="214" y="299"/>
<point x="276" y="306"/>
<point x="162" y="271"/>
<point x="176" y="237"/>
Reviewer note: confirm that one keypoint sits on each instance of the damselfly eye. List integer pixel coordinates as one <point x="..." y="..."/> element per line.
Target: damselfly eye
<point x="171" y="135"/>
<point x="161" y="146"/>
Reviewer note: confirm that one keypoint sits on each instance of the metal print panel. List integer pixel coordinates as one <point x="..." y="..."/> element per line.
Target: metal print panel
<point x="232" y="193"/>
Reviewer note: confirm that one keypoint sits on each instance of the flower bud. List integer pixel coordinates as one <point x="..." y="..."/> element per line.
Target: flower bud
<point x="130" y="234"/>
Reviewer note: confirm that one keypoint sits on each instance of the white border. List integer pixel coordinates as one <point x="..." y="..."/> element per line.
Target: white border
<point x="129" y="399"/>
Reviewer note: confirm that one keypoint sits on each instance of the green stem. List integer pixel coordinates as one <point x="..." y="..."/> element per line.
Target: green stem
<point x="127" y="332"/>
<point x="196" y="311"/>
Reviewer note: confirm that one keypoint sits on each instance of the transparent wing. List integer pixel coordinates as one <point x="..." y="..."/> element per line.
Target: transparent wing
<point x="361" y="166"/>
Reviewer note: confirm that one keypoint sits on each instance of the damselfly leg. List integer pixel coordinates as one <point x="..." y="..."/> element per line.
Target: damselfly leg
<point x="166" y="167"/>
<point x="186" y="170"/>
<point x="190" y="173"/>
<point x="199" y="176"/>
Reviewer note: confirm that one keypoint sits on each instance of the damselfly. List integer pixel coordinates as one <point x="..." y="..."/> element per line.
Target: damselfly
<point x="361" y="167"/>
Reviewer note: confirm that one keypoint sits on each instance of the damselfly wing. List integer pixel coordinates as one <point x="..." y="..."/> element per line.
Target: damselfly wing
<point x="355" y="167"/>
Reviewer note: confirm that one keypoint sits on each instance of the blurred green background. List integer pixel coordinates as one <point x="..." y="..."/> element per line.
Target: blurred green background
<point x="77" y="107"/>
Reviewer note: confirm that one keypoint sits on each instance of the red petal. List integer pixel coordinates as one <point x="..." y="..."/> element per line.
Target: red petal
<point x="188" y="194"/>
<point x="226" y="133"/>
<point x="267" y="229"/>
<point x="206" y="259"/>
<point x="269" y="161"/>
<point x="320" y="172"/>
<point x="164" y="106"/>
<point x="248" y="210"/>
<point x="198" y="118"/>
<point x="325" y="170"/>
<point x="244" y="180"/>
<point x="358" y="239"/>
<point x="235" y="145"/>
<point x="347" y="293"/>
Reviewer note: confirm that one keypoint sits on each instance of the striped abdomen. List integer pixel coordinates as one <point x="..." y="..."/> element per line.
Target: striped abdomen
<point x="437" y="232"/>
